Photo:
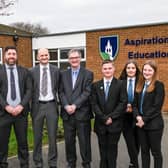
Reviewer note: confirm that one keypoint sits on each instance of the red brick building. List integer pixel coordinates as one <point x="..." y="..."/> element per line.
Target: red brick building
<point x="10" y="36"/>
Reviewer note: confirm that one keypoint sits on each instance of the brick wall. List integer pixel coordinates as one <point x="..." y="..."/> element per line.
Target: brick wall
<point x="94" y="59"/>
<point x="24" y="47"/>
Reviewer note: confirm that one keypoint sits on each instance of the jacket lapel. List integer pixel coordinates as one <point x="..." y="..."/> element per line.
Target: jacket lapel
<point x="79" y="77"/>
<point x="52" y="76"/>
<point x="101" y="89"/>
<point x="69" y="79"/>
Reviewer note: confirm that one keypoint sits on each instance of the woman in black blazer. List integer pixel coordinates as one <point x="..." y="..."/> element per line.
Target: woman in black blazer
<point x="147" y="109"/>
<point x="130" y="75"/>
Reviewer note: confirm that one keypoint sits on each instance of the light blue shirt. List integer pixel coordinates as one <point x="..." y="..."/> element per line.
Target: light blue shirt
<point x="74" y="74"/>
<point x="17" y="101"/>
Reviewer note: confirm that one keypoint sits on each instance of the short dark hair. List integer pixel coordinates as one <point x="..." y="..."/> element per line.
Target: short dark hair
<point x="106" y="61"/>
<point x="10" y="47"/>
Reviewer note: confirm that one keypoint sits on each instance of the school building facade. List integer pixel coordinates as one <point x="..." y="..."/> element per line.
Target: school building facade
<point x="141" y="43"/>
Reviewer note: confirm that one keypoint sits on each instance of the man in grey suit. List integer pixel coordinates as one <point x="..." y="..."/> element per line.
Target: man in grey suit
<point x="15" y="93"/>
<point x="75" y="91"/>
<point x="45" y="79"/>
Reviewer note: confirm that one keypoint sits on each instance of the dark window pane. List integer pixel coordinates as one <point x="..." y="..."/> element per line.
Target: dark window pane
<point x="64" y="65"/>
<point x="54" y="63"/>
<point x="53" y="54"/>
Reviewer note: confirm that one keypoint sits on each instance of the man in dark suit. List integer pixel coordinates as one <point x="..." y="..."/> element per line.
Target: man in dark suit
<point x="76" y="113"/>
<point x="45" y="79"/>
<point x="15" y="93"/>
<point x="108" y="102"/>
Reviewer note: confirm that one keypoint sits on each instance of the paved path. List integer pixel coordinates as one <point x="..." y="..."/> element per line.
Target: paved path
<point x="123" y="159"/>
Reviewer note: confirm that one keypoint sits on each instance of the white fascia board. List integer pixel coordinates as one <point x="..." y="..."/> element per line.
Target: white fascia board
<point x="60" y="41"/>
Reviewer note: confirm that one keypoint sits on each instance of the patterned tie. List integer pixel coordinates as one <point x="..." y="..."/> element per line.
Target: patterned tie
<point x="44" y="85"/>
<point x="12" y="84"/>
<point x="130" y="92"/>
<point x="142" y="97"/>
<point x="107" y="90"/>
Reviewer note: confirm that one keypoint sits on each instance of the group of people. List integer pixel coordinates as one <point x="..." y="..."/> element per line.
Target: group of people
<point x="130" y="105"/>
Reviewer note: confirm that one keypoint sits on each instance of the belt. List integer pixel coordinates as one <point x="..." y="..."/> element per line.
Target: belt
<point x="45" y="102"/>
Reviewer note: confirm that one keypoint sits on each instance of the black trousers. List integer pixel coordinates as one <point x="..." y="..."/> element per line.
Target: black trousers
<point x="83" y="131"/>
<point x="130" y="134"/>
<point x="150" y="140"/>
<point x="19" y="124"/>
<point x="108" y="147"/>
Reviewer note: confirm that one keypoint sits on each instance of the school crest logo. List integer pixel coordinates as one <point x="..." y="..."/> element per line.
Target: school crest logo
<point x="108" y="47"/>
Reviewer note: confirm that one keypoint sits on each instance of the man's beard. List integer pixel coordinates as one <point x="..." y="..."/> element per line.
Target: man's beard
<point x="11" y="62"/>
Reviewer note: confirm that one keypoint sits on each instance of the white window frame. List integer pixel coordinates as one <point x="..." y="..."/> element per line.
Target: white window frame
<point x="59" y="60"/>
<point x="1" y="58"/>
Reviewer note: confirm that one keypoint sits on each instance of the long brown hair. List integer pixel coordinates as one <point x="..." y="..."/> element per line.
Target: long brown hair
<point x="141" y="79"/>
<point x="123" y="74"/>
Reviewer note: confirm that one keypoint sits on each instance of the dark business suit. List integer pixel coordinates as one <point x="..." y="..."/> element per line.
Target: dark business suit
<point x="130" y="134"/>
<point x="79" y="122"/>
<point x="150" y="134"/>
<point x="114" y="106"/>
<point x="19" y="122"/>
<point x="44" y="110"/>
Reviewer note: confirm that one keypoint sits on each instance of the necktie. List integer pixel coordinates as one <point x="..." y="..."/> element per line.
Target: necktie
<point x="130" y="91"/>
<point x="107" y="89"/>
<point x="12" y="84"/>
<point x="74" y="77"/>
<point x="142" y="97"/>
<point x="44" y="85"/>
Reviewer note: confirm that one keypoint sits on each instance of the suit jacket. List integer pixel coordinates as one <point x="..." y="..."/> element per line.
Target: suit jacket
<point x="114" y="107"/>
<point x="25" y="86"/>
<point x="79" y="95"/>
<point x="151" y="107"/>
<point x="35" y="73"/>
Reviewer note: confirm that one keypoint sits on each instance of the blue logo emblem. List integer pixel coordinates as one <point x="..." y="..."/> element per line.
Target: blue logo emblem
<point x="108" y="47"/>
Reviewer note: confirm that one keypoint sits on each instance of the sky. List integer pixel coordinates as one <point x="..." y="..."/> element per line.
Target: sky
<point x="77" y="15"/>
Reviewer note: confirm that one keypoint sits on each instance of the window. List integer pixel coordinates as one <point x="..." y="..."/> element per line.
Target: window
<point x="59" y="57"/>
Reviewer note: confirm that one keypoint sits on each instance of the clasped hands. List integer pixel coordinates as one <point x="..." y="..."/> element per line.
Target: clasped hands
<point x="14" y="111"/>
<point x="70" y="109"/>
<point x="140" y="123"/>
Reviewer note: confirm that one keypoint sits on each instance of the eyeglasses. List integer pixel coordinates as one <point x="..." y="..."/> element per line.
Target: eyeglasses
<point x="72" y="58"/>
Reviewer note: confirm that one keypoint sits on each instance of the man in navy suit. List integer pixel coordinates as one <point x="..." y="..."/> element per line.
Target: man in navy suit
<point x="108" y="102"/>
<point x="15" y="93"/>
<point x="76" y="112"/>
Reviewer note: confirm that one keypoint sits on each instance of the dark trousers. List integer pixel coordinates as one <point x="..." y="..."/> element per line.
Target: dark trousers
<point x="150" y="140"/>
<point x="83" y="131"/>
<point x="48" y="112"/>
<point x="19" y="124"/>
<point x="108" y="147"/>
<point x="130" y="134"/>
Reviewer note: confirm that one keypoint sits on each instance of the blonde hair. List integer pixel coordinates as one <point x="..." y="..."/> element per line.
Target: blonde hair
<point x="141" y="80"/>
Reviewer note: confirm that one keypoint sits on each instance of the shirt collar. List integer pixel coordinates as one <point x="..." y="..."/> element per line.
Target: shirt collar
<point x="75" y="70"/>
<point x="44" y="66"/>
<point x="105" y="80"/>
<point x="133" y="79"/>
<point x="9" y="66"/>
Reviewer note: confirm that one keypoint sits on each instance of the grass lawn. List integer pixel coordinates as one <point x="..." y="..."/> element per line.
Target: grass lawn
<point x="13" y="144"/>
